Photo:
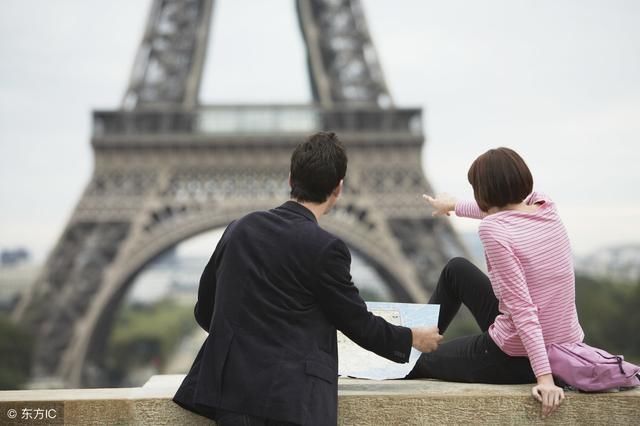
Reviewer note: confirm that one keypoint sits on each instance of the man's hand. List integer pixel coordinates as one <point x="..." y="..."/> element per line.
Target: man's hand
<point x="442" y="204"/>
<point x="548" y="394"/>
<point x="425" y="339"/>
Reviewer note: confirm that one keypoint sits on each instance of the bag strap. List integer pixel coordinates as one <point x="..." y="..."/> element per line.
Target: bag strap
<point x="618" y="358"/>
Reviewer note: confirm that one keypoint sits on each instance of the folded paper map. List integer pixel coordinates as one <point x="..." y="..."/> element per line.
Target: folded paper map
<point x="357" y="362"/>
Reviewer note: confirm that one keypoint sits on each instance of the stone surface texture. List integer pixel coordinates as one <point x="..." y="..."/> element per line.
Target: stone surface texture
<point x="361" y="402"/>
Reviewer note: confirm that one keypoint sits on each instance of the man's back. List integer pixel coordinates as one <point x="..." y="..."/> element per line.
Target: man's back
<point x="265" y="275"/>
<point x="272" y="296"/>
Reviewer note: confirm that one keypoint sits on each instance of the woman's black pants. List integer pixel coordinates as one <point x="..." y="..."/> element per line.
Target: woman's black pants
<point x="471" y="359"/>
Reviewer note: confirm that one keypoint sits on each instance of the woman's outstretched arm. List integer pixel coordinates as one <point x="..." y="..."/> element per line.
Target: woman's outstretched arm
<point x="444" y="204"/>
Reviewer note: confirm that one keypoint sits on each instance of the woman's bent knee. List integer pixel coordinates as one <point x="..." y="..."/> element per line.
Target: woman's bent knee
<point x="458" y="263"/>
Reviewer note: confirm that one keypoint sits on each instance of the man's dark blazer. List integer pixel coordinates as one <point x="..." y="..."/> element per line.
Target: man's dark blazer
<point x="272" y="296"/>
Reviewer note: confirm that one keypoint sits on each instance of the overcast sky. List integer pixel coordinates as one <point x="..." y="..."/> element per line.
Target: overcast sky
<point x="559" y="81"/>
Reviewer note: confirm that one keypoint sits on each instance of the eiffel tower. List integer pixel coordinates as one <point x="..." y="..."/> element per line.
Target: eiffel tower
<point x="168" y="168"/>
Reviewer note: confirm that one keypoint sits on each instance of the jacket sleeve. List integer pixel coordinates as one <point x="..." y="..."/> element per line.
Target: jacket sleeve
<point x="340" y="301"/>
<point x="203" y="310"/>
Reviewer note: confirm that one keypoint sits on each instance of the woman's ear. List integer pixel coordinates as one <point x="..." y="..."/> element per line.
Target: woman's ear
<point x="290" y="186"/>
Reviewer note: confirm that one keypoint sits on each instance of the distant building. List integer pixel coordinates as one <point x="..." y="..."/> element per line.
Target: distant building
<point x="12" y="257"/>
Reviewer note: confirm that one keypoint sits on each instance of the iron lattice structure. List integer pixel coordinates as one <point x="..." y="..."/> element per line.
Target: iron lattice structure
<point x="167" y="168"/>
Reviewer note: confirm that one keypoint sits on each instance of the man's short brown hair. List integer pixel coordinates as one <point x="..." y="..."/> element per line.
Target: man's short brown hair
<point x="499" y="177"/>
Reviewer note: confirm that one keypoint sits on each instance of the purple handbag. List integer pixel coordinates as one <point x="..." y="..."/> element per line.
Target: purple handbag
<point x="591" y="369"/>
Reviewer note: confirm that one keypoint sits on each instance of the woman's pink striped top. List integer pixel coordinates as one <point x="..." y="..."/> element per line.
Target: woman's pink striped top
<point x="530" y="265"/>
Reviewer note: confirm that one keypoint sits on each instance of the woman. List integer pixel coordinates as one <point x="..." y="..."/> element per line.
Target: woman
<point x="527" y="302"/>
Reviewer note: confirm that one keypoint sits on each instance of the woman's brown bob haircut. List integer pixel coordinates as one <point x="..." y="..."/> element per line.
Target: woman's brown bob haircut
<point x="499" y="177"/>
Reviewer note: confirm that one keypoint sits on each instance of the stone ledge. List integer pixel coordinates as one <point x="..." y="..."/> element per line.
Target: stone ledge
<point x="361" y="402"/>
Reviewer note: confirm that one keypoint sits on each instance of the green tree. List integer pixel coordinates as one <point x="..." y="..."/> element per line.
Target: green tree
<point x="144" y="335"/>
<point x="15" y="350"/>
<point x="608" y="313"/>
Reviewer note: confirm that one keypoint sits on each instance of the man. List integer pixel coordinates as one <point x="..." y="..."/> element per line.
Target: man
<point x="272" y="296"/>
